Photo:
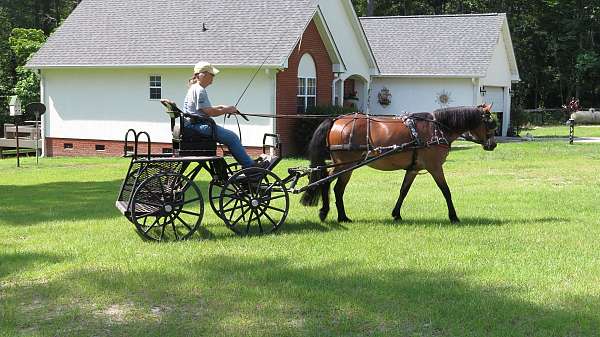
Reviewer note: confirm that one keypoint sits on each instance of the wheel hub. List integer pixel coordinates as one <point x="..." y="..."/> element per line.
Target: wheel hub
<point x="168" y="208"/>
<point x="254" y="203"/>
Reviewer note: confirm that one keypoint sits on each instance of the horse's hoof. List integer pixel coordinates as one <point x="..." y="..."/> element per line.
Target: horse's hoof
<point x="454" y="220"/>
<point x="344" y="219"/>
<point x="398" y="218"/>
<point x="323" y="215"/>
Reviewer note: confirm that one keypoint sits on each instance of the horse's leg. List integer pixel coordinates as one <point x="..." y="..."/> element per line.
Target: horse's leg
<point x="339" y="188"/>
<point x="325" y="198"/>
<point x="438" y="175"/>
<point x="409" y="177"/>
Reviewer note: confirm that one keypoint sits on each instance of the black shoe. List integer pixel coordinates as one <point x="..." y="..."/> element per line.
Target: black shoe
<point x="263" y="164"/>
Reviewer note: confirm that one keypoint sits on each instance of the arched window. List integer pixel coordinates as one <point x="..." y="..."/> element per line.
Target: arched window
<point x="307" y="84"/>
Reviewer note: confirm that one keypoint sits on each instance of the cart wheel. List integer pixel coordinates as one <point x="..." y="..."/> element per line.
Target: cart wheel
<point x="167" y="207"/>
<point x="254" y="201"/>
<point x="214" y="192"/>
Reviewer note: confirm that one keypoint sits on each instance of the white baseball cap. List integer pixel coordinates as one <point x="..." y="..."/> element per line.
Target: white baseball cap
<point x="202" y="67"/>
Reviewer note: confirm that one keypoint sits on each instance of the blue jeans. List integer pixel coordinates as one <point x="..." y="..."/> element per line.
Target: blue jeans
<point x="226" y="137"/>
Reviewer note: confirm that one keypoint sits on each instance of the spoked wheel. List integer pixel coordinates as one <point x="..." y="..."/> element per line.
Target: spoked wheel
<point x="167" y="207"/>
<point x="254" y="201"/>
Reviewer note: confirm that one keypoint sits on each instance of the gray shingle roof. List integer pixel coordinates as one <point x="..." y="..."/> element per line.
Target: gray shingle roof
<point x="169" y="32"/>
<point x="445" y="45"/>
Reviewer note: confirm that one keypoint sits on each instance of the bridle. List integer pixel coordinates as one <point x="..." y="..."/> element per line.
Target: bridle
<point x="490" y="126"/>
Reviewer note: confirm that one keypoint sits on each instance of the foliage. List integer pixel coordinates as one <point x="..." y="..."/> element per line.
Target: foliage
<point x="23" y="43"/>
<point x="306" y="127"/>
<point x="519" y="118"/>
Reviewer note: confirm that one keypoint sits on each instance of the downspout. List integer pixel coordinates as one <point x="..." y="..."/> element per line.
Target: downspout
<point x="475" y="83"/>
<point x="335" y="88"/>
<point x="43" y="117"/>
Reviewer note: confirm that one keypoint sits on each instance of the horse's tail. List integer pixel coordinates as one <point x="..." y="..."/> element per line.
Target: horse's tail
<point x="317" y="153"/>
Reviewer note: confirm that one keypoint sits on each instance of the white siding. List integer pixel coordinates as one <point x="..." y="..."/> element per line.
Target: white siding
<point x="339" y="20"/>
<point x="498" y="73"/>
<point x="104" y="103"/>
<point x="419" y="94"/>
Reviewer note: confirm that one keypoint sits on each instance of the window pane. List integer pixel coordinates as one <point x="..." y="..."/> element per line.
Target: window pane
<point x="301" y="86"/>
<point x="155" y="81"/>
<point x="155" y="93"/>
<point x="311" y="86"/>
<point x="300" y="108"/>
<point x="311" y="101"/>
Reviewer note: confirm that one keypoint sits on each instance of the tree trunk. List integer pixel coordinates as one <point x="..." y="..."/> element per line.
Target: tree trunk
<point x="370" y="7"/>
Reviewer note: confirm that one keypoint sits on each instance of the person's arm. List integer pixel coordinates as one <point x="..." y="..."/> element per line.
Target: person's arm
<point x="214" y="111"/>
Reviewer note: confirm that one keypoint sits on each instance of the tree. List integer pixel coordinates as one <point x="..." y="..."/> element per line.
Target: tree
<point x="23" y="43"/>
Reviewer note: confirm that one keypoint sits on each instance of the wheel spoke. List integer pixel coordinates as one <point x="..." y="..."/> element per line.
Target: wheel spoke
<point x="231" y="209"/>
<point x="192" y="200"/>
<point x="190" y="213"/>
<point x="184" y="223"/>
<point x="151" y="226"/>
<point x="259" y="223"/>
<point x="267" y="198"/>
<point x="238" y="218"/>
<point x="275" y="208"/>
<point x="175" y="230"/>
<point x="270" y="219"/>
<point x="162" y="232"/>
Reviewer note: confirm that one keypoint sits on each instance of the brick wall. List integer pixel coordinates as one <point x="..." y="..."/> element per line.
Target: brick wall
<point x="90" y="147"/>
<point x="287" y="85"/>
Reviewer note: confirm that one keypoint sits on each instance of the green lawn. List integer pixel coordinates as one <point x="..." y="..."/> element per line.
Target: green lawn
<point x="524" y="261"/>
<point x="562" y="131"/>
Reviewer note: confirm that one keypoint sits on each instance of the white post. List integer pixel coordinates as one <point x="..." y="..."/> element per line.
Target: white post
<point x="506" y="114"/>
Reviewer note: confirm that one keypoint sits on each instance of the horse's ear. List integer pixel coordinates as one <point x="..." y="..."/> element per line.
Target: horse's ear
<point x="487" y="107"/>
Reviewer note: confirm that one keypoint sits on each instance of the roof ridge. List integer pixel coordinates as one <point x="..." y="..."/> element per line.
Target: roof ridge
<point x="428" y="16"/>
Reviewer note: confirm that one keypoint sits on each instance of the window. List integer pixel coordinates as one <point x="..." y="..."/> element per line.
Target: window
<point x="100" y="147"/>
<point x="307" y="93"/>
<point x="307" y="84"/>
<point x="155" y="87"/>
<point x="68" y="146"/>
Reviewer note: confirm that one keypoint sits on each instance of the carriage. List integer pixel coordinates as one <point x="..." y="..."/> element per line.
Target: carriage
<point x="160" y="197"/>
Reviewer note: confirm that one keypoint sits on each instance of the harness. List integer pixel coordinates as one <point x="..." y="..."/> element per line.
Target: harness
<point x="416" y="143"/>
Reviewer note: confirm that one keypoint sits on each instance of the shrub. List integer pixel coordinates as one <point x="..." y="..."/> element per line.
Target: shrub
<point x="305" y="127"/>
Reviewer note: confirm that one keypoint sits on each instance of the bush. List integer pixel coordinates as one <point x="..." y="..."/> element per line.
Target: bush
<point x="518" y="120"/>
<point x="307" y="126"/>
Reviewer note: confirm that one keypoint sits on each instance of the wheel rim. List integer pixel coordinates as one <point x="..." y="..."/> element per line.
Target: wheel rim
<point x="253" y="201"/>
<point x="214" y="192"/>
<point x="167" y="207"/>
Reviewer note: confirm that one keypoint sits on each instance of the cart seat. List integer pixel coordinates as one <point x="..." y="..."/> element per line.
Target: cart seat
<point x="186" y="143"/>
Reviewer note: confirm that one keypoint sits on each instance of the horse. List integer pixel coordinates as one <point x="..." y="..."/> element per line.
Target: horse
<point x="424" y="138"/>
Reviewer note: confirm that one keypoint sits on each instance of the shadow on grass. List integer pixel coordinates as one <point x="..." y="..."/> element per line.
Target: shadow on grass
<point x="234" y="296"/>
<point x="471" y="221"/>
<point x="15" y="262"/>
<point x="33" y="204"/>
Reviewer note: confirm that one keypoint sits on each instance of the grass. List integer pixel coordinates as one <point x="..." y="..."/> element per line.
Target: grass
<point x="562" y="131"/>
<point x="523" y="261"/>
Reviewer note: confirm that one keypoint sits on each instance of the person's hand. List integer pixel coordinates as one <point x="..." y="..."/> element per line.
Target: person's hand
<point x="231" y="110"/>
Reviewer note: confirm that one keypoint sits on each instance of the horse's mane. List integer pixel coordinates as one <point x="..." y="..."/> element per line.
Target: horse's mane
<point x="459" y="118"/>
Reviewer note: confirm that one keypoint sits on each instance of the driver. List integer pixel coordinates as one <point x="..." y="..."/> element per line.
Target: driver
<point x="197" y="103"/>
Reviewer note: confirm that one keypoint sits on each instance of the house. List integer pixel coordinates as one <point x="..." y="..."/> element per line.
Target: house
<point x="428" y="62"/>
<point x="106" y="68"/>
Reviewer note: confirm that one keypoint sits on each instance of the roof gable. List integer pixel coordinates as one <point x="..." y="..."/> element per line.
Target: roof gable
<point x="442" y="45"/>
<point x="169" y="32"/>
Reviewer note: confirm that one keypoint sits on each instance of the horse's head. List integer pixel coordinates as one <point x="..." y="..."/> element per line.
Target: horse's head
<point x="484" y="133"/>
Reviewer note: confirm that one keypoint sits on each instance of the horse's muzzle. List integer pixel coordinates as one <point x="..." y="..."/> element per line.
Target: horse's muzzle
<point x="489" y="145"/>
